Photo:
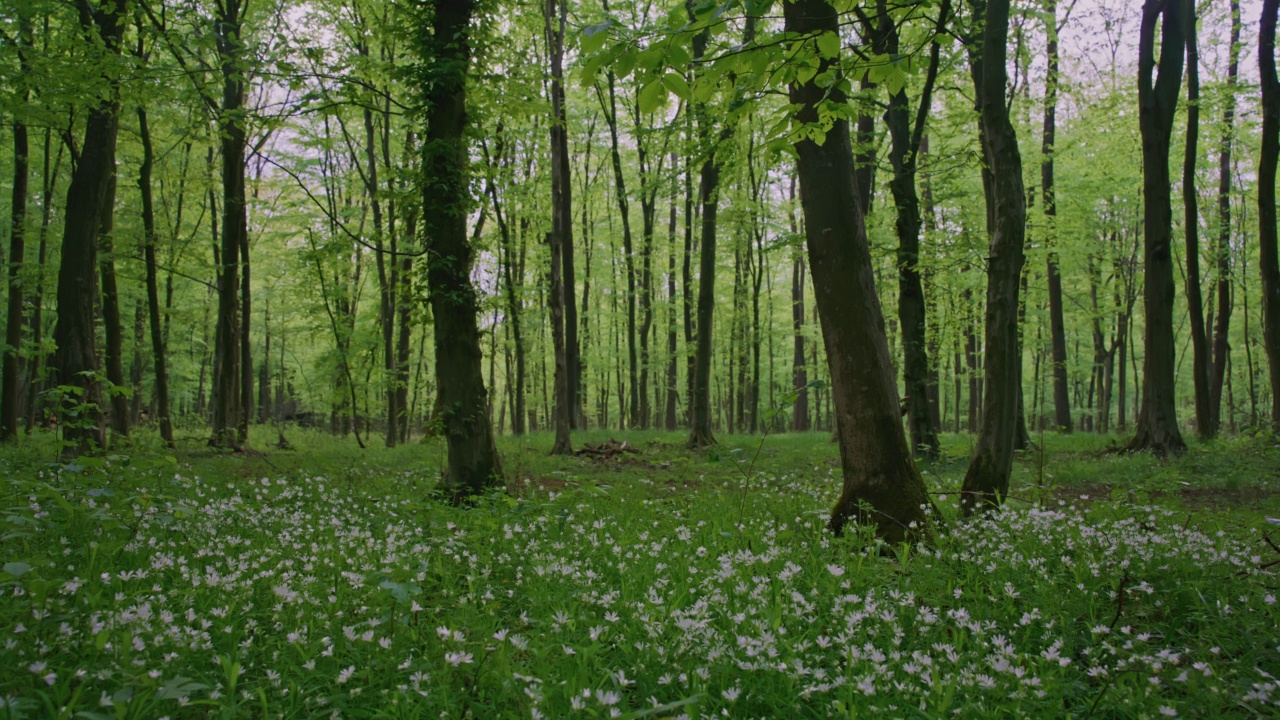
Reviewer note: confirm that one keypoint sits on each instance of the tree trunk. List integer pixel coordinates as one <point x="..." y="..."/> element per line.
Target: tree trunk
<point x="1221" y="330"/>
<point x="1201" y="356"/>
<point x="49" y="181"/>
<point x="231" y="122"/>
<point x="1157" y="421"/>
<point x="987" y="481"/>
<point x="75" y="363"/>
<point x="153" y="293"/>
<point x="799" y="373"/>
<point x="905" y="138"/>
<point x="9" y="377"/>
<point x="1269" y="264"/>
<point x="881" y="485"/>
<point x="670" y="416"/>
<point x="1057" y="327"/>
<point x="113" y="330"/>
<point x="561" y="236"/>
<point x="473" y="465"/>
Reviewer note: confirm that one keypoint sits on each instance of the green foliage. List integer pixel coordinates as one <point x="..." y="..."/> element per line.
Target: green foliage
<point x="321" y="580"/>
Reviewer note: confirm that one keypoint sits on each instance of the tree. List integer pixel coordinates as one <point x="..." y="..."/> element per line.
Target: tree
<point x="905" y="137"/>
<point x="1157" y="422"/>
<point x="1222" y="328"/>
<point x="1057" y="327"/>
<point x="10" y="396"/>
<point x="445" y="53"/>
<point x="1268" y="258"/>
<point x="1201" y="356"/>
<point x="75" y="363"/>
<point x="561" y="236"/>
<point x="987" y="480"/>
<point x="881" y="485"/>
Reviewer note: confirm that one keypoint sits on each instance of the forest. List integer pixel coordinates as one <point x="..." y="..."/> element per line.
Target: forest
<point x="497" y="358"/>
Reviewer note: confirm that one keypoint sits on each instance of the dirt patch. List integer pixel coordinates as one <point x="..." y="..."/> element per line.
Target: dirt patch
<point x="1198" y="498"/>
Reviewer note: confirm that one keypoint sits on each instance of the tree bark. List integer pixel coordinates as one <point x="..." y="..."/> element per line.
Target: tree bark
<point x="231" y="123"/>
<point x="153" y="292"/>
<point x="10" y="399"/>
<point x="75" y="363"/>
<point x="799" y="372"/>
<point x="1201" y="355"/>
<point x="905" y="140"/>
<point x="473" y="465"/>
<point x="1222" y="327"/>
<point x="1269" y="264"/>
<point x="881" y="486"/>
<point x="1157" y="422"/>
<point x="113" y="331"/>
<point x="561" y="236"/>
<point x="1057" y="327"/>
<point x="987" y="480"/>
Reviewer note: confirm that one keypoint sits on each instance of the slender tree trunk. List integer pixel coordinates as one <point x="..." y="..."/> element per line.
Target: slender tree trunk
<point x="1222" y="328"/>
<point x="799" y="372"/>
<point x="905" y="137"/>
<point x="987" y="481"/>
<point x="1269" y="263"/>
<point x="1201" y="355"/>
<point x="881" y="486"/>
<point x="670" y="416"/>
<point x="1057" y="327"/>
<point x="159" y="358"/>
<point x="35" y="370"/>
<point x="113" y="331"/>
<point x="473" y="465"/>
<point x="10" y="397"/>
<point x="1157" y="422"/>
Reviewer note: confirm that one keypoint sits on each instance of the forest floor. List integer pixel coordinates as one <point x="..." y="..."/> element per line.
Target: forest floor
<point x="637" y="579"/>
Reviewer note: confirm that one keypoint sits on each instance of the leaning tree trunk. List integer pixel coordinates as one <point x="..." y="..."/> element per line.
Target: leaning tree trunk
<point x="75" y="363"/>
<point x="1269" y="265"/>
<point x="1200" y="353"/>
<point x="1157" y="421"/>
<point x="473" y="466"/>
<point x="882" y="486"/>
<point x="987" y="481"/>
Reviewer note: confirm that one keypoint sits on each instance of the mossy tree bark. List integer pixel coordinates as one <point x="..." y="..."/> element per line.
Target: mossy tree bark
<point x="473" y="466"/>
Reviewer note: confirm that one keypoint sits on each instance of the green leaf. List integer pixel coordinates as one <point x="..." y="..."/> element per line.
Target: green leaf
<point x="652" y="96"/>
<point x="17" y="569"/>
<point x="829" y="45"/>
<point x="625" y="63"/>
<point x="676" y="84"/>
<point x="594" y="36"/>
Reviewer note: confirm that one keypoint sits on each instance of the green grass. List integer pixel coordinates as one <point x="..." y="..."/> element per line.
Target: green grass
<point x="323" y="581"/>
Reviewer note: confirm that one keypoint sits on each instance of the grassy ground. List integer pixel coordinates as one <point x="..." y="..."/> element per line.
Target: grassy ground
<point x="646" y="581"/>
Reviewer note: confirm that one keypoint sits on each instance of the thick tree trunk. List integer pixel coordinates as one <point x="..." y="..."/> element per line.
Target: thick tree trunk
<point x="987" y="481"/>
<point x="153" y="293"/>
<point x="1222" y="327"/>
<point x="75" y="363"/>
<point x="1201" y="356"/>
<point x="561" y="236"/>
<point x="473" y="465"/>
<point x="1269" y="264"/>
<point x="1157" y="422"/>
<point x="227" y="333"/>
<point x="1057" y="327"/>
<point x="881" y="486"/>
